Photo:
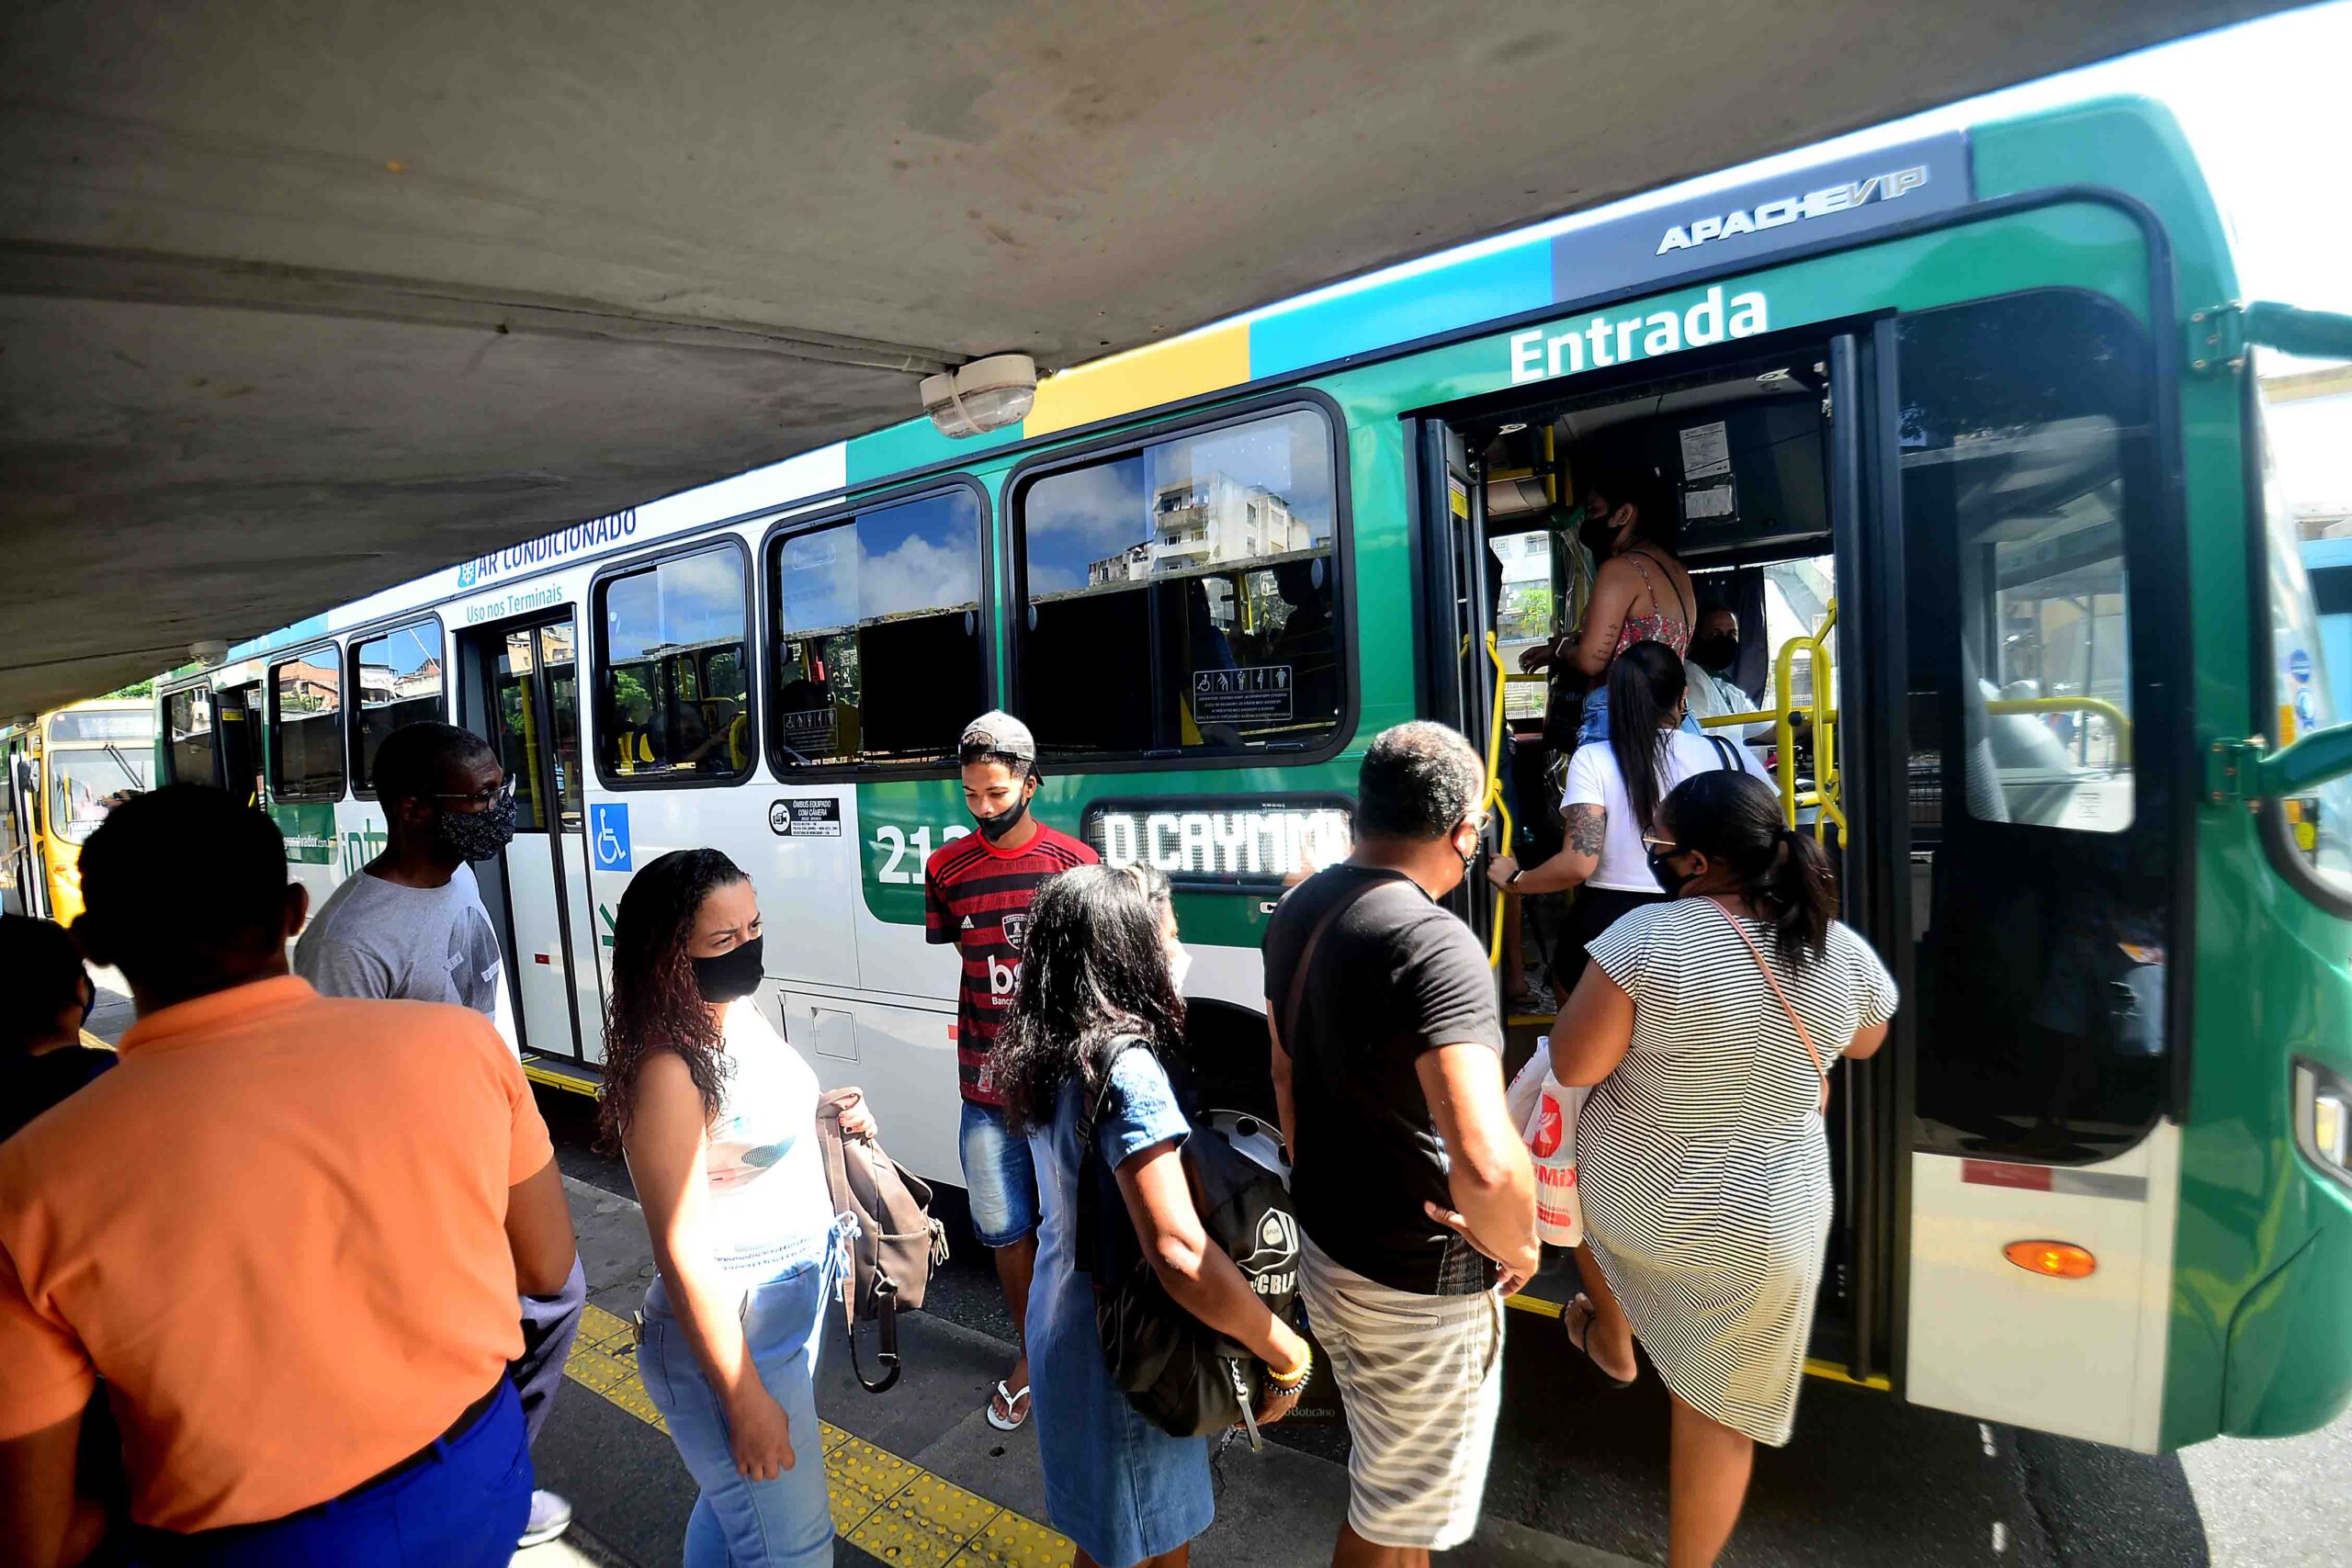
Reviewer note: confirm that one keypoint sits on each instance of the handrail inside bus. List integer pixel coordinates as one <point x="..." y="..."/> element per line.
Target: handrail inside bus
<point x="1493" y="800"/>
<point x="1822" y="712"/>
<point x="2115" y="716"/>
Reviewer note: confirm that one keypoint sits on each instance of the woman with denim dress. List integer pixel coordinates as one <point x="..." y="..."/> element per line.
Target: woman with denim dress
<point x="717" y="1116"/>
<point x="1096" y="1016"/>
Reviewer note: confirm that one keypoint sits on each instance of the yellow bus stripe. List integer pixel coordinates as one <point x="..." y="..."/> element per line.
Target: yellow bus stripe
<point x="887" y="1506"/>
<point x="1814" y="1367"/>
<point x="1141" y="378"/>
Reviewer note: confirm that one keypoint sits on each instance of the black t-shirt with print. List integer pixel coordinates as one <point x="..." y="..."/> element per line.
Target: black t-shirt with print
<point x="1394" y="976"/>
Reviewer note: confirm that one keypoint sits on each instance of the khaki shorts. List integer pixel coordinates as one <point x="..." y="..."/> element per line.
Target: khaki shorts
<point x="1421" y="1378"/>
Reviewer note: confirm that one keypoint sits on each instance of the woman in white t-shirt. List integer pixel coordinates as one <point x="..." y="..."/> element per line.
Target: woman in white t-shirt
<point x="1615" y="786"/>
<point x="717" y="1116"/>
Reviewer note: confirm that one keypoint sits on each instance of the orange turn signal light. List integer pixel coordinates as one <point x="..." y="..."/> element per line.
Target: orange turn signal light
<point x="2059" y="1259"/>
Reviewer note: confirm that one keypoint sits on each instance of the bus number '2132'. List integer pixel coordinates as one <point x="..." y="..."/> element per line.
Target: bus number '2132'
<point x="909" y="852"/>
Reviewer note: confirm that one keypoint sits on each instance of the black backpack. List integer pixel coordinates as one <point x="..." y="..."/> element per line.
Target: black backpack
<point x="1184" y="1376"/>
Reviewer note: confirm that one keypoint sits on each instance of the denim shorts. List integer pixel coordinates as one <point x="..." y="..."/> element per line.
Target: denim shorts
<point x="998" y="1177"/>
<point x="1594" y="725"/>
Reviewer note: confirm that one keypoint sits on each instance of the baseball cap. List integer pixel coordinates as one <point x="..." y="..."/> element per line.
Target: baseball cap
<point x="1001" y="734"/>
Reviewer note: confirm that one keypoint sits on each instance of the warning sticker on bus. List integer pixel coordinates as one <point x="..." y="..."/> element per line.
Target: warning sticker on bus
<point x="1256" y="694"/>
<point x="810" y="732"/>
<point x="806" y="818"/>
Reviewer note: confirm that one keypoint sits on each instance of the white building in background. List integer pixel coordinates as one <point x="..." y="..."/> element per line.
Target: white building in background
<point x="1130" y="565"/>
<point x="1205" y="521"/>
<point x="2308" y="414"/>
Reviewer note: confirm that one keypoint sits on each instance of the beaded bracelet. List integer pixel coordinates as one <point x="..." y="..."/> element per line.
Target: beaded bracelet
<point x="1297" y="1380"/>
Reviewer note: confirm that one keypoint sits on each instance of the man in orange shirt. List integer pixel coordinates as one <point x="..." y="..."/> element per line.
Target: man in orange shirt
<point x="295" y="1267"/>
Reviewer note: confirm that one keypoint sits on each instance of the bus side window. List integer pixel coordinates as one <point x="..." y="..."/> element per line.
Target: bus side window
<point x="879" y="660"/>
<point x="1183" y="598"/>
<point x="673" y="694"/>
<point x="397" y="677"/>
<point x="187" y="719"/>
<point x="306" y="727"/>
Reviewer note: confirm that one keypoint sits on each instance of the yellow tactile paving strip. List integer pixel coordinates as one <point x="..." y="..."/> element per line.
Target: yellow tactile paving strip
<point x="888" y="1506"/>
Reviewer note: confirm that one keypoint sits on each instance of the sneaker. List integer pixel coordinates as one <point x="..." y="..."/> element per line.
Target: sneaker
<point x="550" y="1517"/>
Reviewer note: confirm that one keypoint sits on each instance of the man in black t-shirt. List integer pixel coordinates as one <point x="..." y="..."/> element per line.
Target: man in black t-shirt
<point x="1413" y="1188"/>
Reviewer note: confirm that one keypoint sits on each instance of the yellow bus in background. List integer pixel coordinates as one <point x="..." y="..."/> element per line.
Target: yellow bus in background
<point x="64" y="772"/>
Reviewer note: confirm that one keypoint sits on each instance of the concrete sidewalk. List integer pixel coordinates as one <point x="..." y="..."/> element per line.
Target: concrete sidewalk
<point x="919" y="1476"/>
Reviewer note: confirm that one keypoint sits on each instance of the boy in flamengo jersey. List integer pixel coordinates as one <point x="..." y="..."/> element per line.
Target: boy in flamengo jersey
<point x="975" y="894"/>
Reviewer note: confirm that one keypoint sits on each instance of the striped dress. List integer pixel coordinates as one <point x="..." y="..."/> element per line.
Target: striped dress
<point x="1702" y="1159"/>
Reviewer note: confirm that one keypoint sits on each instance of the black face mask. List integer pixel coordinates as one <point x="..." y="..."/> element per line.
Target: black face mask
<point x="1715" y="654"/>
<point x="478" y="835"/>
<point x="1599" y="535"/>
<point x="732" y="974"/>
<point x="1670" y="879"/>
<point x="1003" y="822"/>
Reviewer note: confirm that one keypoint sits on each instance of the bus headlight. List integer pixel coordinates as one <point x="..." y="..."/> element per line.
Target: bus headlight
<point x="2324" y="1119"/>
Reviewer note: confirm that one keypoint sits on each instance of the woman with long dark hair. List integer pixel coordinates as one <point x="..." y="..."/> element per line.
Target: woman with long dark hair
<point x="1708" y="1024"/>
<point x="1614" y="787"/>
<point x="718" y="1117"/>
<point x="1096" y="975"/>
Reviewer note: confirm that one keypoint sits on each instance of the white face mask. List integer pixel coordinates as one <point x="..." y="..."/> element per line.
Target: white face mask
<point x="1179" y="964"/>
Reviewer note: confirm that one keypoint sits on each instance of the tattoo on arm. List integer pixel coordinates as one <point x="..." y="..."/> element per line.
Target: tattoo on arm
<point x="1588" y="829"/>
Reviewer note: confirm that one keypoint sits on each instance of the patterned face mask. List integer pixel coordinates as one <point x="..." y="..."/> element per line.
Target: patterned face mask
<point x="478" y="835"/>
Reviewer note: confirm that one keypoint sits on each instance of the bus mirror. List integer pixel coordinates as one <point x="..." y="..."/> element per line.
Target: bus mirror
<point x="2304" y="765"/>
<point x="2317" y="334"/>
<point x="2219" y="335"/>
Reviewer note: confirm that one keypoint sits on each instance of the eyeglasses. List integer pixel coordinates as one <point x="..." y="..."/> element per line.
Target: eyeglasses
<point x="485" y="798"/>
<point x="1660" y="846"/>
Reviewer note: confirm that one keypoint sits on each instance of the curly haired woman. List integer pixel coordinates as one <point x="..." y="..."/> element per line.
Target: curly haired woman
<point x="718" y="1117"/>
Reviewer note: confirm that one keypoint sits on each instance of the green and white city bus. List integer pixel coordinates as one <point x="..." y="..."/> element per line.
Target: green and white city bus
<point x="1963" y="425"/>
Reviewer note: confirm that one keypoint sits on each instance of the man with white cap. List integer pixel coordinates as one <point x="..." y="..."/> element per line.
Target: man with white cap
<point x="975" y="894"/>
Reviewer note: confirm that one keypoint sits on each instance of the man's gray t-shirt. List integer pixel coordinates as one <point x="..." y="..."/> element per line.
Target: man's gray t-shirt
<point x="376" y="939"/>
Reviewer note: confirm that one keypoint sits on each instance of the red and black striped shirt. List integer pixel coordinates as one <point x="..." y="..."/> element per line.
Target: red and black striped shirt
<point x="976" y="896"/>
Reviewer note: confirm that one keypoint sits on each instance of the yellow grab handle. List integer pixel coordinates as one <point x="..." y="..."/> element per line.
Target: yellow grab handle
<point x="1493" y="800"/>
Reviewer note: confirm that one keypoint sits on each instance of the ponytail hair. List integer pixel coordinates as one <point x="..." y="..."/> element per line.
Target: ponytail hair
<point x="1645" y="686"/>
<point x="1734" y="821"/>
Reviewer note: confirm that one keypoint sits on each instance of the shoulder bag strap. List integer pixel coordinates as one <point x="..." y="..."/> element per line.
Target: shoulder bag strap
<point x="829" y="1140"/>
<point x="1772" y="980"/>
<point x="1727" y="761"/>
<point x="1306" y="960"/>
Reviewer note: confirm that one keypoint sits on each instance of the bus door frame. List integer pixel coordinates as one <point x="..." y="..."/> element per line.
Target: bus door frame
<point x="254" y="714"/>
<point x="477" y="647"/>
<point x="1866" y="537"/>
<point x="21" y="758"/>
<point x="1455" y="676"/>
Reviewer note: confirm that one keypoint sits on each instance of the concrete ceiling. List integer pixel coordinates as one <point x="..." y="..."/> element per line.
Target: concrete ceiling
<point x="302" y="298"/>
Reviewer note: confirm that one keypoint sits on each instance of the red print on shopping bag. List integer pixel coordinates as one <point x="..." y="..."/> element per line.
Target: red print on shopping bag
<point x="1548" y="1129"/>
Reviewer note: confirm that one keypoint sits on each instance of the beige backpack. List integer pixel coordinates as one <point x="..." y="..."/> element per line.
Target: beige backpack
<point x="897" y="1242"/>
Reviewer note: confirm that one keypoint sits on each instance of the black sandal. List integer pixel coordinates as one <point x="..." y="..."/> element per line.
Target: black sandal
<point x="1578" y="1345"/>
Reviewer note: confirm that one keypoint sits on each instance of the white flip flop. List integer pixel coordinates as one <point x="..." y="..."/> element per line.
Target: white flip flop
<point x="1012" y="1403"/>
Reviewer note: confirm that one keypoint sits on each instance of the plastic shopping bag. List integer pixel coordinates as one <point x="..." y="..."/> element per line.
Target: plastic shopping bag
<point x="1549" y="1130"/>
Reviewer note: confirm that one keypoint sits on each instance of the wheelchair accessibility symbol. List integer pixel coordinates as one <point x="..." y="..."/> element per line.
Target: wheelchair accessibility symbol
<point x="608" y="832"/>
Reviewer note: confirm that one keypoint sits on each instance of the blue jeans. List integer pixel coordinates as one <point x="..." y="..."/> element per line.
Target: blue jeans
<point x="463" y="1508"/>
<point x="998" y="1177"/>
<point x="549" y="1325"/>
<point x="1594" y="725"/>
<point x="738" y="1523"/>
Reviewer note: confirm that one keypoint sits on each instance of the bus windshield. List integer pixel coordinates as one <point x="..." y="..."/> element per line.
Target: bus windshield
<point x="86" y="785"/>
